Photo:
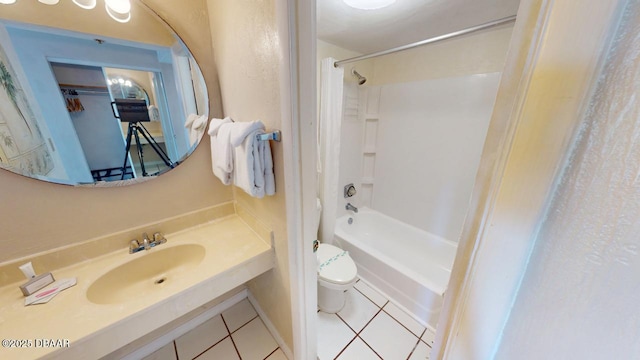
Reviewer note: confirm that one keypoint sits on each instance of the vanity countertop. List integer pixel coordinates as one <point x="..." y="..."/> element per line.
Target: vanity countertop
<point x="234" y="254"/>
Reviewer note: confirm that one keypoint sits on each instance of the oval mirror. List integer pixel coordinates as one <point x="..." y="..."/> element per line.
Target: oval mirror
<point x="93" y="94"/>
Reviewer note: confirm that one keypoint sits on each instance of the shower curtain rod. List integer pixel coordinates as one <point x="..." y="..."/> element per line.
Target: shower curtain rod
<point x="428" y="41"/>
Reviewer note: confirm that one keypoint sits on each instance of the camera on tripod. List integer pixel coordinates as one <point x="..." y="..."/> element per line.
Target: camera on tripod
<point x="135" y="112"/>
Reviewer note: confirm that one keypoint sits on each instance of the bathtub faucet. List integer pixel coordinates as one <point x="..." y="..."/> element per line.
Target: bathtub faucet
<point x="351" y="207"/>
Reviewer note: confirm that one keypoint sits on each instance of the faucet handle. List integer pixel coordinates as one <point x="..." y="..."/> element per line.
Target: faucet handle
<point x="134" y="246"/>
<point x="159" y="238"/>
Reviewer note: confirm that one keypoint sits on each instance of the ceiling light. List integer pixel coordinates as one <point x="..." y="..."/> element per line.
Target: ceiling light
<point x="85" y="4"/>
<point x="369" y="4"/>
<point x="119" y="10"/>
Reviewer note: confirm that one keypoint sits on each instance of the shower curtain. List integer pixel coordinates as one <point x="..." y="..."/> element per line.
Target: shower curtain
<point x="329" y="124"/>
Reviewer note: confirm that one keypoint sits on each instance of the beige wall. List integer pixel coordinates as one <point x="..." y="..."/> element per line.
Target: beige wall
<point x="248" y="52"/>
<point x="143" y="26"/>
<point x="38" y="216"/>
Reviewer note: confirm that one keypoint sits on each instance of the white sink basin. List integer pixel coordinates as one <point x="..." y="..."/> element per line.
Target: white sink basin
<point x="146" y="273"/>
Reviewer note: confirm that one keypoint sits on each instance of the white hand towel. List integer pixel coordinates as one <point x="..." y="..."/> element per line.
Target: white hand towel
<point x="253" y="166"/>
<point x="221" y="151"/>
<point x="215" y="124"/>
<point x="267" y="168"/>
<point x="196" y="125"/>
<point x="242" y="129"/>
<point x="244" y="167"/>
<point x="189" y="121"/>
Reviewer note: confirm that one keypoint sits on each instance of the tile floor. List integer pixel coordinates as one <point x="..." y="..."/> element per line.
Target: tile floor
<point x="236" y="334"/>
<point x="368" y="327"/>
<point x="371" y="327"/>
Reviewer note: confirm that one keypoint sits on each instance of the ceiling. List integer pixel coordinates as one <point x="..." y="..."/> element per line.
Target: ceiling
<point x="404" y="22"/>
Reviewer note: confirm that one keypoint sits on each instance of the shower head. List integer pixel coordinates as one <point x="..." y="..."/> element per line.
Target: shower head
<point x="361" y="79"/>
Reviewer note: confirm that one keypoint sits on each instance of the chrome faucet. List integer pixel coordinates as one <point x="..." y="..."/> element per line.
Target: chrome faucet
<point x="135" y="245"/>
<point x="351" y="207"/>
<point x="145" y="241"/>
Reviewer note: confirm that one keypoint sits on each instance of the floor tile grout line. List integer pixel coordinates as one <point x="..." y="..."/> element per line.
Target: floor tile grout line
<point x="380" y="309"/>
<point x="175" y="349"/>
<point x="421" y="335"/>
<point x="345" y="347"/>
<point x="368" y="322"/>
<point x="356" y="332"/>
<point x="401" y="324"/>
<point x="210" y="347"/>
<point x="346" y="323"/>
<point x="369" y="346"/>
<point x="365" y="326"/>
<point x="271" y="353"/>
<point x="368" y="298"/>
<point x="245" y="324"/>
<point x="232" y="342"/>
<point x="386" y="312"/>
<point x="414" y="349"/>
<point x="420" y="339"/>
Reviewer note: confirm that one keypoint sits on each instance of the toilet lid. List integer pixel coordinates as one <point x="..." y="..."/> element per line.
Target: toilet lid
<point x="335" y="265"/>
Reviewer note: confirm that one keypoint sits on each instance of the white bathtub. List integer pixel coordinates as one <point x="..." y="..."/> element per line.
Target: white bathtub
<point x="410" y="265"/>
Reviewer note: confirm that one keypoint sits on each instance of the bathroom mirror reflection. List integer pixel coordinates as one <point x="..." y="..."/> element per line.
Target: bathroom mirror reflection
<point x="62" y="67"/>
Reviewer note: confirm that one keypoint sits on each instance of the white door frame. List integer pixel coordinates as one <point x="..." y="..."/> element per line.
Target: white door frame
<point x="297" y="19"/>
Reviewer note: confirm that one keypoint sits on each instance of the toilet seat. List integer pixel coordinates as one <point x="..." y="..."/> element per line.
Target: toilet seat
<point x="335" y="266"/>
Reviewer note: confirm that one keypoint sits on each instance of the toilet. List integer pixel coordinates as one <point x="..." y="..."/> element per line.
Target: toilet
<point x="337" y="273"/>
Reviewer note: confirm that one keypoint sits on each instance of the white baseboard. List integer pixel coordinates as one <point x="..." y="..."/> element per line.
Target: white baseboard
<point x="175" y="333"/>
<point x="272" y="329"/>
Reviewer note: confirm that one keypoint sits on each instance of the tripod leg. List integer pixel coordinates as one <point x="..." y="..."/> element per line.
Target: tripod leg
<point x="155" y="146"/>
<point x="139" y="146"/>
<point x="126" y="151"/>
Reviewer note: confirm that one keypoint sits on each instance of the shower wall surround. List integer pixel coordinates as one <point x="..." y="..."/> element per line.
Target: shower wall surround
<point x="478" y="56"/>
<point x="420" y="148"/>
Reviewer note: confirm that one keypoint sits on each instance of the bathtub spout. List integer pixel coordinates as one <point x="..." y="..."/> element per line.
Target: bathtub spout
<point x="351" y="207"/>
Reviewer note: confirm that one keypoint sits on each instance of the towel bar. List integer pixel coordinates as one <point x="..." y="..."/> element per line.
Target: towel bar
<point x="274" y="135"/>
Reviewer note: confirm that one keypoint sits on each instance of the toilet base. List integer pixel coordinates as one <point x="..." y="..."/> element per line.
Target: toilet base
<point x="332" y="297"/>
<point x="331" y="300"/>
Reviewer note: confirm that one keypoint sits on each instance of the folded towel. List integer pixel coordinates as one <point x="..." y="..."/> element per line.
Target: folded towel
<point x="242" y="129"/>
<point x="267" y="168"/>
<point x="221" y="151"/>
<point x="253" y="166"/>
<point x="196" y="125"/>
<point x="215" y="124"/>
<point x="189" y="121"/>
